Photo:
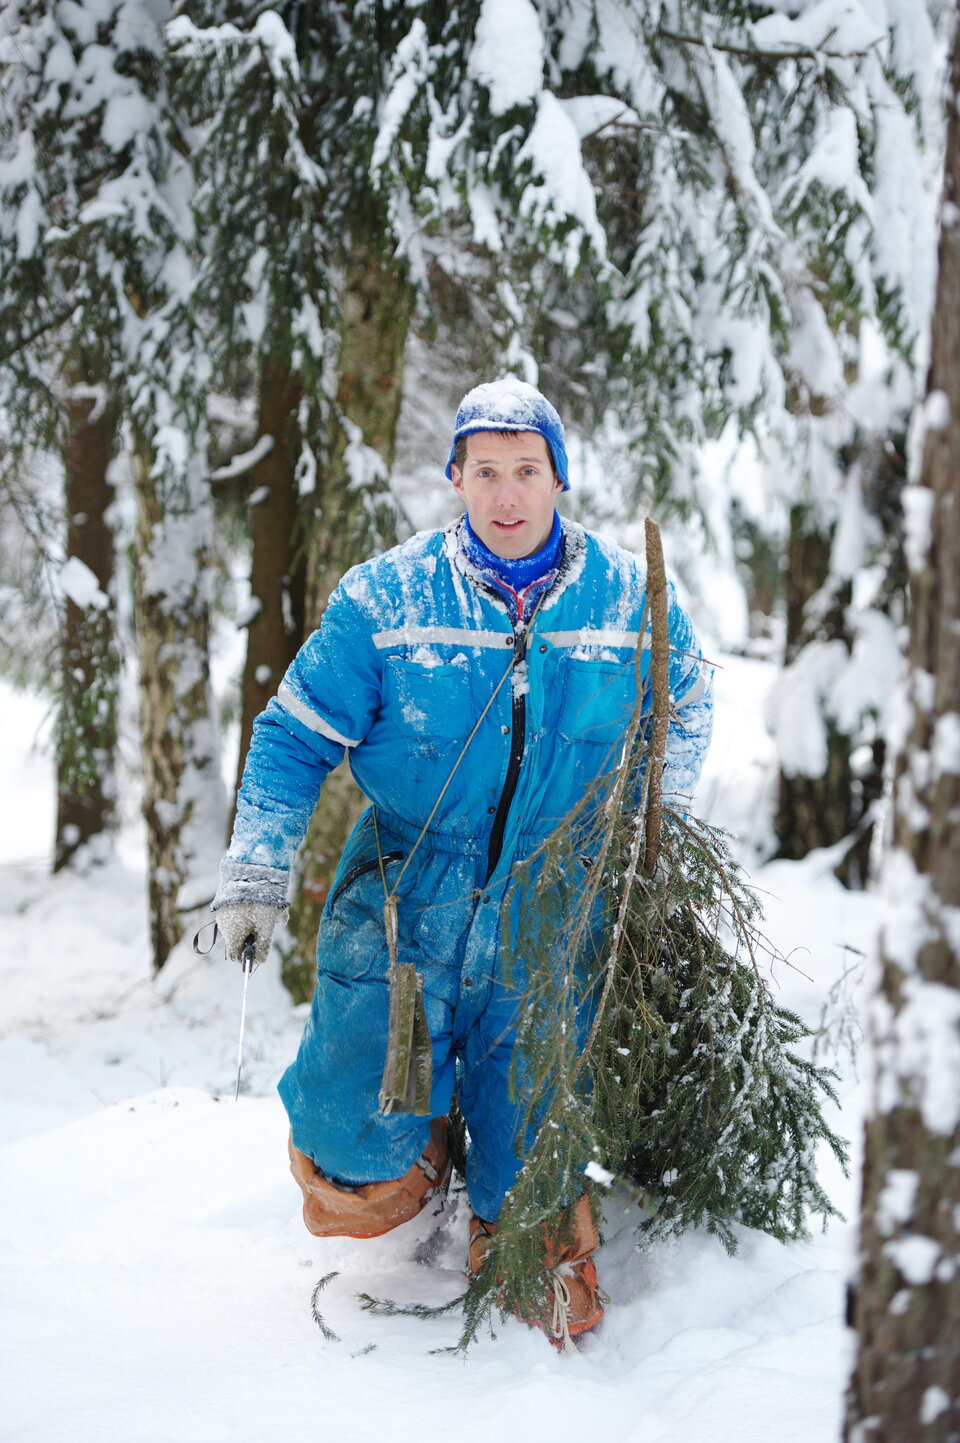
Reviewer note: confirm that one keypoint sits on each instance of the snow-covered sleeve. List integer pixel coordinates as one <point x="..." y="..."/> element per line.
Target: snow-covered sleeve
<point x="691" y="708"/>
<point x="326" y="703"/>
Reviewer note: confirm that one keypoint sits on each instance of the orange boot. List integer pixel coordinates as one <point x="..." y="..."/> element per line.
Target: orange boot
<point x="573" y="1298"/>
<point x="371" y="1209"/>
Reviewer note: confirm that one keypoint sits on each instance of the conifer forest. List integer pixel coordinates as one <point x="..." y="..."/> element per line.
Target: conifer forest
<point x="253" y="252"/>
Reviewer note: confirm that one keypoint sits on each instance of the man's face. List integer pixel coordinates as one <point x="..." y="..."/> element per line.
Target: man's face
<point x="509" y="488"/>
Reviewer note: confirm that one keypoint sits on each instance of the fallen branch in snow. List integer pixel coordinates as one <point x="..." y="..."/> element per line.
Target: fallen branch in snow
<point x="318" y="1317"/>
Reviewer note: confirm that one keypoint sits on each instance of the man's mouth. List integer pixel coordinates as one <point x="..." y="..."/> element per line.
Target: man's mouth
<point x="517" y="521"/>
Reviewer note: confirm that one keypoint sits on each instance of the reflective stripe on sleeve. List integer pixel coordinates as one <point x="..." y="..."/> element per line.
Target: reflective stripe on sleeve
<point x="310" y="718"/>
<point x="697" y="690"/>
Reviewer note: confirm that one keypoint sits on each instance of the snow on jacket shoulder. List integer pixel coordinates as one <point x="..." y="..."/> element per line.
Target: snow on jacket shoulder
<point x="414" y="653"/>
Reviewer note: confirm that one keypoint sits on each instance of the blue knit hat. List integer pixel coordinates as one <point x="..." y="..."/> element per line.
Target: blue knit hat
<point x="511" y="405"/>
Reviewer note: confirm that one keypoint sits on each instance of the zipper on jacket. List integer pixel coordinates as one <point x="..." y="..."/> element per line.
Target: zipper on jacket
<point x="360" y="870"/>
<point x="517" y="740"/>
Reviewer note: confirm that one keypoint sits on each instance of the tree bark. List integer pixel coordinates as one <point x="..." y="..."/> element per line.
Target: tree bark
<point x="352" y="520"/>
<point x="278" y="569"/>
<point x="86" y="726"/>
<point x="814" y="812"/>
<point x="906" y="1378"/>
<point x="660" y="687"/>
<point x="182" y="789"/>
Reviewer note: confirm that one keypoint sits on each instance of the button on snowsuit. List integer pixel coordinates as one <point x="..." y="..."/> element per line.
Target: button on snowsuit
<point x="411" y="648"/>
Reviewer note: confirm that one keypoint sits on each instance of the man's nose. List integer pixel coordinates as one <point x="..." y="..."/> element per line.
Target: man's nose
<point x="508" y="492"/>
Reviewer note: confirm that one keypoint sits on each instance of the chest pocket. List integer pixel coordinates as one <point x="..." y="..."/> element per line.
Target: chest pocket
<point x="427" y="701"/>
<point x="598" y="700"/>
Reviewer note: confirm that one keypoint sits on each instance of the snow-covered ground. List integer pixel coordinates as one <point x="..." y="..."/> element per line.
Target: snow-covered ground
<point x="157" y="1281"/>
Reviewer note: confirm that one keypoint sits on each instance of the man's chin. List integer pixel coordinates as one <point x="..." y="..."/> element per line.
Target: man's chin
<point x="510" y="543"/>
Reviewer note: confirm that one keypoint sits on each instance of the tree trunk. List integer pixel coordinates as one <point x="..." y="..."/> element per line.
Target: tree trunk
<point x="86" y="727"/>
<point x="182" y="789"/>
<point x="278" y="569"/>
<point x="906" y="1379"/>
<point x="354" y="517"/>
<point x="814" y="811"/>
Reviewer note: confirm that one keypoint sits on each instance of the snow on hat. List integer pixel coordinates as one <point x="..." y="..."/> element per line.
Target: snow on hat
<point x="511" y="405"/>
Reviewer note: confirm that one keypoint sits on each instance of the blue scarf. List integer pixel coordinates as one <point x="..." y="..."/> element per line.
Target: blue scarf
<point x="518" y="573"/>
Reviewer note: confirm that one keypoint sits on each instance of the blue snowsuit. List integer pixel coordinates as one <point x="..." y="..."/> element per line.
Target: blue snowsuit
<point x="411" y="648"/>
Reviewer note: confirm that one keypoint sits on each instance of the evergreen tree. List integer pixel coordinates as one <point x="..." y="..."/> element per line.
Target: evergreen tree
<point x="57" y="392"/>
<point x="263" y="290"/>
<point x="97" y="289"/>
<point x="681" y="204"/>
<point x="686" y="219"/>
<point x="302" y="293"/>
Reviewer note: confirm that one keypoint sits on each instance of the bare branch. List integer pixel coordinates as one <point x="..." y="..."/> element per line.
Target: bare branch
<point x="24" y="342"/>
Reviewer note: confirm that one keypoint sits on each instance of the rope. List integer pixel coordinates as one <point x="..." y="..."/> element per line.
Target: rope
<point x="560" y="1321"/>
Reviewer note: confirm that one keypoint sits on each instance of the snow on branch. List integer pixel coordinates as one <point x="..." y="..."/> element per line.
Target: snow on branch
<point x="778" y="52"/>
<point x="244" y="462"/>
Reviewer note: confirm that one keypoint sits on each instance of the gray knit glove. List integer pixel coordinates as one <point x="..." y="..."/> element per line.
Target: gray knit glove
<point x="249" y="900"/>
<point x="239" y="920"/>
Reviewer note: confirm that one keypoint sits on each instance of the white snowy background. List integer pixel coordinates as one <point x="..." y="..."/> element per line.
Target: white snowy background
<point x="156" y="1277"/>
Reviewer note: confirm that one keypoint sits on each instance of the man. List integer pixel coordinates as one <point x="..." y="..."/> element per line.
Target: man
<point x="480" y="678"/>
